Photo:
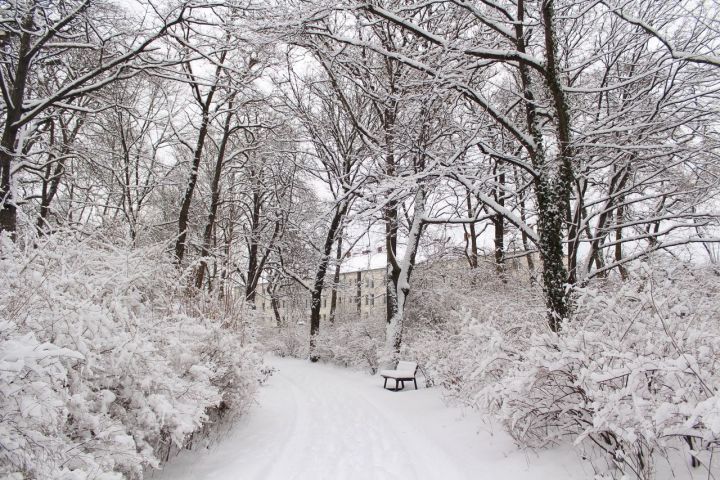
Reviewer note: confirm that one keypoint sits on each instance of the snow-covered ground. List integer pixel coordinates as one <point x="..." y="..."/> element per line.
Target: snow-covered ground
<point x="322" y="422"/>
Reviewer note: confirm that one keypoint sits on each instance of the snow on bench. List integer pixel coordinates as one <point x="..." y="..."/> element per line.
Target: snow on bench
<point x="404" y="372"/>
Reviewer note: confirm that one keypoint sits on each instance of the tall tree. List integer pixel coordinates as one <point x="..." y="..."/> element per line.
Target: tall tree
<point x="506" y="72"/>
<point x="41" y="33"/>
<point x="337" y="160"/>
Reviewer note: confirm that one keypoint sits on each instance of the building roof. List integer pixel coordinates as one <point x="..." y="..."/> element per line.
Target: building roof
<point x="371" y="260"/>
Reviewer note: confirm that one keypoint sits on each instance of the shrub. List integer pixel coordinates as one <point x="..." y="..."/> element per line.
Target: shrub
<point x="290" y="340"/>
<point x="632" y="377"/>
<point x="634" y="373"/>
<point x="355" y="342"/>
<point x="460" y="324"/>
<point x="103" y="366"/>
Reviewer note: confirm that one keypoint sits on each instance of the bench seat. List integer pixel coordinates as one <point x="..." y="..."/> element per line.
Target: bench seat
<point x="404" y="372"/>
<point x="397" y="373"/>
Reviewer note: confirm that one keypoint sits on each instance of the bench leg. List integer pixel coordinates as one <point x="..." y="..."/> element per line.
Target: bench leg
<point x="402" y="382"/>
<point x="385" y="384"/>
<point x="415" y="382"/>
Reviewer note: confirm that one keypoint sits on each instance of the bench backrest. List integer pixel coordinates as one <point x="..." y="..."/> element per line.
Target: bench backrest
<point x="407" y="366"/>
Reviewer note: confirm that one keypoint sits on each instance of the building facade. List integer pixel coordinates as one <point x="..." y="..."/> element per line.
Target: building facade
<point x="360" y="293"/>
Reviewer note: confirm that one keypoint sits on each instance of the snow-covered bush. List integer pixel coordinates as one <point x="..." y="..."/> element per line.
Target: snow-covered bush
<point x="290" y="340"/>
<point x="103" y="367"/>
<point x="456" y="317"/>
<point x="350" y="342"/>
<point x="635" y="372"/>
<point x="633" y="375"/>
<point x="354" y="342"/>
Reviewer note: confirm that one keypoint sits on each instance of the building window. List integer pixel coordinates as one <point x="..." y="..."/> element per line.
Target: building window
<point x="324" y="302"/>
<point x="372" y="300"/>
<point x="263" y="306"/>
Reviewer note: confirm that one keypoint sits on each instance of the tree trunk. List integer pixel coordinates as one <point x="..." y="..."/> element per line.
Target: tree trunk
<point x="184" y="216"/>
<point x="472" y="234"/>
<point x="253" y="246"/>
<point x="556" y="206"/>
<point x="617" y="184"/>
<point x="393" y="270"/>
<point x="499" y="223"/>
<point x="8" y="143"/>
<point x="316" y="293"/>
<point x="389" y="119"/>
<point x="574" y="233"/>
<point x="274" y="303"/>
<point x="215" y="199"/>
<point x="618" y="237"/>
<point x="256" y="259"/>
<point x="552" y="199"/>
<point x="523" y="235"/>
<point x="394" y="331"/>
<point x="336" y="278"/>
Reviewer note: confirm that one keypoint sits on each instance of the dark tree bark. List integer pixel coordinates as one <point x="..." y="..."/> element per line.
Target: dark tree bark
<point x="556" y="195"/>
<point x="53" y="174"/>
<point x="498" y="221"/>
<point x="618" y="238"/>
<point x="471" y="234"/>
<point x="523" y="234"/>
<point x="395" y="327"/>
<point x="552" y="196"/>
<point x="336" y="278"/>
<point x="275" y="304"/>
<point x="617" y="184"/>
<point x="393" y="269"/>
<point x="257" y="256"/>
<point x="574" y="232"/>
<point x="319" y="282"/>
<point x="8" y="143"/>
<point x="215" y="196"/>
<point x="205" y="104"/>
<point x="391" y="214"/>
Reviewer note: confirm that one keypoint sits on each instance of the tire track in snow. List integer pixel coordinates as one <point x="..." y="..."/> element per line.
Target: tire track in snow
<point x="320" y="422"/>
<point x="314" y="422"/>
<point x="339" y="435"/>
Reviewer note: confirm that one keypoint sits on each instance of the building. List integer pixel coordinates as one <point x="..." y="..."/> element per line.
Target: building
<point x="361" y="292"/>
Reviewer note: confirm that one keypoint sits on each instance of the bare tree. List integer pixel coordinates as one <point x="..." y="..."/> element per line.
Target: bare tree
<point x="507" y="72"/>
<point x="42" y="33"/>
<point x="338" y="156"/>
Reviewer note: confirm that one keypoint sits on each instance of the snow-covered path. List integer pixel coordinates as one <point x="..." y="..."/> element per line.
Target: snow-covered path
<point x="322" y="422"/>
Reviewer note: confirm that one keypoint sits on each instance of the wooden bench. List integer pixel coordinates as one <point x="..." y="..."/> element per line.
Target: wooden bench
<point x="404" y="372"/>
